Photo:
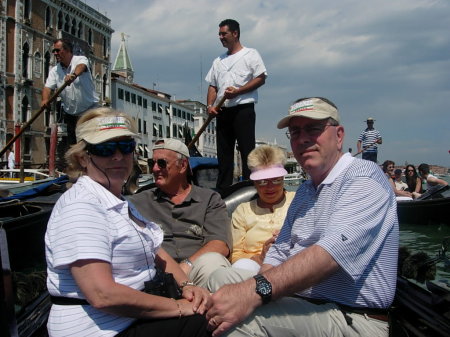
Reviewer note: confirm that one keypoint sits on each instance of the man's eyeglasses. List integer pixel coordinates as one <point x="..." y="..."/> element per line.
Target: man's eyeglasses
<point x="56" y="50"/>
<point x="107" y="149"/>
<point x="310" y="131"/>
<point x="162" y="163"/>
<point x="264" y="182"/>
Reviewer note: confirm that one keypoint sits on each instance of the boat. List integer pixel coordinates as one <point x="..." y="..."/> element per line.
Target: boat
<point x="431" y="208"/>
<point x="24" y="300"/>
<point x="12" y="176"/>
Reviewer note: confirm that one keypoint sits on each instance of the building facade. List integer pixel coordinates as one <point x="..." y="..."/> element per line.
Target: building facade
<point x="27" y="31"/>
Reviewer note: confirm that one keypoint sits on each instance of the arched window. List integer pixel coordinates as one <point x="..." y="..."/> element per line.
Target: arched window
<point x="80" y="29"/>
<point x="25" y="57"/>
<point x="24" y="110"/>
<point x="60" y="20"/>
<point x="74" y="27"/>
<point x="48" y="17"/>
<point x="37" y="67"/>
<point x="47" y="58"/>
<point x="90" y="37"/>
<point x="67" y="23"/>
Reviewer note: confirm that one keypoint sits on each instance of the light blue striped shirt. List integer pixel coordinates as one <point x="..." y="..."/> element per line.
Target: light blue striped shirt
<point x="352" y="214"/>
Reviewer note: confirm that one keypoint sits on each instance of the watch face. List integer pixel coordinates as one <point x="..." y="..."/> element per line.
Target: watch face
<point x="263" y="288"/>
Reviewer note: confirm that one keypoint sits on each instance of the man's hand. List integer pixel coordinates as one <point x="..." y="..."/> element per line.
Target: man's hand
<point x="198" y="296"/>
<point x="231" y="92"/>
<point x="69" y="78"/>
<point x="231" y="304"/>
<point x="212" y="110"/>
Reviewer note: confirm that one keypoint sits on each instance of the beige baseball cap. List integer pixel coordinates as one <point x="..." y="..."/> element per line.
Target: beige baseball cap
<point x="314" y="108"/>
<point x="172" y="144"/>
<point x="100" y="129"/>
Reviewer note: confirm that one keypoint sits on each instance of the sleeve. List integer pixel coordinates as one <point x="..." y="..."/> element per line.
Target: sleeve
<point x="77" y="60"/>
<point x="239" y="231"/>
<point x="51" y="79"/>
<point x="257" y="64"/>
<point x="217" y="223"/>
<point x="361" y="136"/>
<point x="79" y="231"/>
<point x="359" y="225"/>
<point x="211" y="77"/>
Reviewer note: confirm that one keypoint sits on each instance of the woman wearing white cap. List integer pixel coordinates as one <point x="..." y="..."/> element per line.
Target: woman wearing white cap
<point x="256" y="224"/>
<point x="101" y="251"/>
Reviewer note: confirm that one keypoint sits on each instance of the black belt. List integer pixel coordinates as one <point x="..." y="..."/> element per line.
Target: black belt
<point x="375" y="313"/>
<point x="68" y="300"/>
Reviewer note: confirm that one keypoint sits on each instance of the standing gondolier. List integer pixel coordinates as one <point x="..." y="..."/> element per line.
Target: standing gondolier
<point x="235" y="75"/>
<point x="80" y="94"/>
<point x="369" y="139"/>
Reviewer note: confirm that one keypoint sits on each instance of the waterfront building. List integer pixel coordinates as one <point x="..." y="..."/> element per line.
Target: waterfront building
<point x="27" y="31"/>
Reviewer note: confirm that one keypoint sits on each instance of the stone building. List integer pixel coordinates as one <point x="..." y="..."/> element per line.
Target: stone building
<point x="27" y="31"/>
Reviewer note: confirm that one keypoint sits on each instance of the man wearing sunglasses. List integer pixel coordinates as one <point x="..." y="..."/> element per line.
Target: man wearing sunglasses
<point x="79" y="95"/>
<point x="332" y="270"/>
<point x="195" y="222"/>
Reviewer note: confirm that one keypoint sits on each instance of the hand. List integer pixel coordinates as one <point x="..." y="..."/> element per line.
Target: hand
<point x="69" y="78"/>
<point x="198" y="296"/>
<point x="231" y="304"/>
<point x="260" y="257"/>
<point x="231" y="92"/>
<point x="45" y="104"/>
<point x="212" y="110"/>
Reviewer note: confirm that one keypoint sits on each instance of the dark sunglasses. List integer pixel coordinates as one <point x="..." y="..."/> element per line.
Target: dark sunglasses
<point x="56" y="50"/>
<point x="162" y="163"/>
<point x="107" y="149"/>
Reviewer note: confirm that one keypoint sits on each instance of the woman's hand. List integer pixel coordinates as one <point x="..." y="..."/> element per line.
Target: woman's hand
<point x="198" y="297"/>
<point x="266" y="245"/>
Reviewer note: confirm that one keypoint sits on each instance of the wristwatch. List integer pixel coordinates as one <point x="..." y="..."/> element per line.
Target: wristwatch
<point x="263" y="288"/>
<point x="188" y="262"/>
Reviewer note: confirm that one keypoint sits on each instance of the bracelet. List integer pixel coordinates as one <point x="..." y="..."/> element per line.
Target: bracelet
<point x="186" y="283"/>
<point x="187" y="261"/>
<point x="179" y="308"/>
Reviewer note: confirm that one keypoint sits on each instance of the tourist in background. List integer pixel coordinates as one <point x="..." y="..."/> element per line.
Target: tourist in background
<point x="388" y="169"/>
<point x="413" y="181"/>
<point x="368" y="140"/>
<point x="431" y="180"/>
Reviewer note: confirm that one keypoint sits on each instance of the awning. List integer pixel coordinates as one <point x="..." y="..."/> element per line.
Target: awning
<point x="155" y="127"/>
<point x="180" y="133"/>
<point x="141" y="149"/>
<point x="167" y="110"/>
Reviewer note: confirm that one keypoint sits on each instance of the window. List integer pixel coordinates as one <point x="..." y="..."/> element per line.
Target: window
<point x="80" y="29"/>
<point x="133" y="98"/>
<point x="167" y="131"/>
<point x="153" y="106"/>
<point x="188" y="116"/>
<point x="67" y="23"/>
<point x="155" y="130"/>
<point x="139" y="126"/>
<point x="145" y="103"/>
<point x="60" y="20"/>
<point x="145" y="127"/>
<point x="184" y="114"/>
<point x="139" y="100"/>
<point x="74" y="27"/>
<point x="27" y="9"/>
<point x="160" y="131"/>
<point x="90" y="37"/>
<point x="174" y="130"/>
<point x="47" y="58"/>
<point x="37" y="67"/>
<point x="160" y="108"/>
<point x="48" y="17"/>
<point x="120" y="93"/>
<point x="127" y="96"/>
<point x="105" y="47"/>
<point x="24" y="109"/>
<point x="25" y="56"/>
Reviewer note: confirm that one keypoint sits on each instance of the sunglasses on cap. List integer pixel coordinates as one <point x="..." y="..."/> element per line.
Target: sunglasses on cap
<point x="107" y="149"/>
<point x="264" y="182"/>
<point x="162" y="163"/>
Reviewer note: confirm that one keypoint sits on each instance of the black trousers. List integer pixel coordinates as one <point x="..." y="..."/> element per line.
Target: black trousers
<point x="234" y="124"/>
<point x="71" y="123"/>
<point x="191" y="326"/>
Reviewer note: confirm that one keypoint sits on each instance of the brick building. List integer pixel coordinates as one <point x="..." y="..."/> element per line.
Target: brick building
<point x="27" y="31"/>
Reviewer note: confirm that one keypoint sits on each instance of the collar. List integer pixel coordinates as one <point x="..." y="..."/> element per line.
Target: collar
<point x="193" y="196"/>
<point x="340" y="166"/>
<point x="106" y="198"/>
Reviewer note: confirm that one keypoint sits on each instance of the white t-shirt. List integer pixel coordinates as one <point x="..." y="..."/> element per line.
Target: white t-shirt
<point x="88" y="222"/>
<point x="11" y="160"/>
<point x="236" y="70"/>
<point x="78" y="96"/>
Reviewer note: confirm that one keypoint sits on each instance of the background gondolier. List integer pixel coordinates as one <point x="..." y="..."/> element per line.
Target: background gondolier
<point x="235" y="75"/>
<point x="369" y="139"/>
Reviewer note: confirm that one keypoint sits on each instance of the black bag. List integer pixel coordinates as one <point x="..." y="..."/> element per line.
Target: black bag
<point x="163" y="284"/>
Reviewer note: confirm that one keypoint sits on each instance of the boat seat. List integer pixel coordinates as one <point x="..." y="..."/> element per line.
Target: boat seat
<point x="434" y="192"/>
<point x="240" y="195"/>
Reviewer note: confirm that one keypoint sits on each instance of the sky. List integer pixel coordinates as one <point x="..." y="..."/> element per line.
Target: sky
<point x="389" y="60"/>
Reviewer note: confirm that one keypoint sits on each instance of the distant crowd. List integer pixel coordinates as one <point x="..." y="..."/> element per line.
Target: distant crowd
<point x="409" y="184"/>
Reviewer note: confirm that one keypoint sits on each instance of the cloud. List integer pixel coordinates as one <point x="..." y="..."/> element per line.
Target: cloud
<point x="385" y="59"/>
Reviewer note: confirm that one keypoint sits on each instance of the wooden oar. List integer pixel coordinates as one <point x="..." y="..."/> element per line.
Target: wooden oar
<point x="36" y="115"/>
<point x="365" y="148"/>
<point x="208" y="120"/>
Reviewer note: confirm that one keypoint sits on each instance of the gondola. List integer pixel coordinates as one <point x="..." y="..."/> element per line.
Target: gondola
<point x="431" y="208"/>
<point x="24" y="301"/>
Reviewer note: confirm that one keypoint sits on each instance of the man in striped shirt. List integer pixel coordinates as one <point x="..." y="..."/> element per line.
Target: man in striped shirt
<point x="332" y="270"/>
<point x="369" y="139"/>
